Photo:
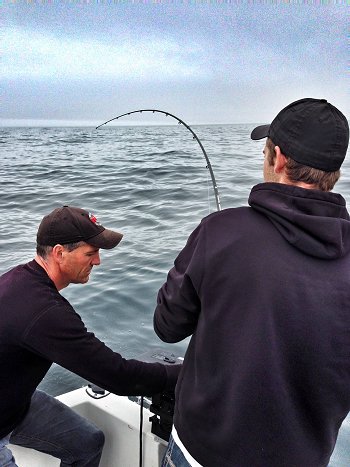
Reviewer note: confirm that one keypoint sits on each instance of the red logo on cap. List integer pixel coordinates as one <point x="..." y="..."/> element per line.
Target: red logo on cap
<point x="93" y="219"/>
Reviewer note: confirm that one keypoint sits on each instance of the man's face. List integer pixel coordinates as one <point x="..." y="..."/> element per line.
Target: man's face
<point x="76" y="265"/>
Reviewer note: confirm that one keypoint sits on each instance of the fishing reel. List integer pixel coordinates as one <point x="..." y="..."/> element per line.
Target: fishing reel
<point x="163" y="408"/>
<point x="162" y="404"/>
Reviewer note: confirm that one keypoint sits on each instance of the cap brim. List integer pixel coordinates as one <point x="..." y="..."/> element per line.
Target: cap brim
<point x="106" y="240"/>
<point x="260" y="132"/>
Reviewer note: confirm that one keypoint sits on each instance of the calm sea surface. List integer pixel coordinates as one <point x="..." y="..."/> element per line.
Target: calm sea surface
<point x="152" y="184"/>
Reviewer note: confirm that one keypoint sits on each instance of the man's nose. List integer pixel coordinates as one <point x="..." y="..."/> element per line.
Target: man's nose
<point x="96" y="259"/>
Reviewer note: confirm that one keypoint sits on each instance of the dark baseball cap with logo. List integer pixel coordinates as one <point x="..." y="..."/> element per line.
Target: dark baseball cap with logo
<point x="68" y="224"/>
<point x="310" y="131"/>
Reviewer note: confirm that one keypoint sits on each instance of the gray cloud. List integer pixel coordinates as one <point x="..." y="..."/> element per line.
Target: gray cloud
<point x="209" y="62"/>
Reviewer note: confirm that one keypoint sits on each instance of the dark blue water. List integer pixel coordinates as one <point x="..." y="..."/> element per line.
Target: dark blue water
<point x="152" y="184"/>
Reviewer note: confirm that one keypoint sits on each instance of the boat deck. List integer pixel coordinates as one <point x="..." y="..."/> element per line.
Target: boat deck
<point x="119" y="418"/>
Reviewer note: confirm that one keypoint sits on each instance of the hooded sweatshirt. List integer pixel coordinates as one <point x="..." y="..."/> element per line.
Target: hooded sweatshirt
<point x="265" y="293"/>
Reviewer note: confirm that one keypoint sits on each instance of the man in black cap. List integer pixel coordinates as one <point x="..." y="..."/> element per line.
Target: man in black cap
<point x="265" y="292"/>
<point x="38" y="326"/>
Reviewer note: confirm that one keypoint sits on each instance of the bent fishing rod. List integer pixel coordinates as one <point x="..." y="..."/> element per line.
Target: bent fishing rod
<point x="180" y="122"/>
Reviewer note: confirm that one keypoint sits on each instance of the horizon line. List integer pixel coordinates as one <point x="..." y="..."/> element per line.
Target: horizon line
<point x="66" y="123"/>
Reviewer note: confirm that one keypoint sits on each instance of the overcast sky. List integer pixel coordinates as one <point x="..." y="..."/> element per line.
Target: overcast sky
<point x="206" y="62"/>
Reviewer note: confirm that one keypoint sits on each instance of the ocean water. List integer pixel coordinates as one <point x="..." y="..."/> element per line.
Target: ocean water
<point x="151" y="183"/>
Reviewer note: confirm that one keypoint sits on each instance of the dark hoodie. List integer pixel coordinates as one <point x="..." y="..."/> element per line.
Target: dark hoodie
<point x="265" y="293"/>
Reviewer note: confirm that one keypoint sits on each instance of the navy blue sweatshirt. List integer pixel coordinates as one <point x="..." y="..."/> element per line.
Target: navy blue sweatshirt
<point x="265" y="293"/>
<point x="38" y="326"/>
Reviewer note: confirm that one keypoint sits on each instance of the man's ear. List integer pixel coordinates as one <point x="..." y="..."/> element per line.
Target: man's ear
<point x="280" y="160"/>
<point x="58" y="253"/>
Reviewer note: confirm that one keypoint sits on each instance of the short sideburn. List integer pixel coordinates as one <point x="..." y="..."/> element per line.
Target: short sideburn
<point x="296" y="172"/>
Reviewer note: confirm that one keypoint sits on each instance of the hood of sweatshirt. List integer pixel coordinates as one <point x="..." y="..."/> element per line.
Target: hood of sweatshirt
<point x="315" y="222"/>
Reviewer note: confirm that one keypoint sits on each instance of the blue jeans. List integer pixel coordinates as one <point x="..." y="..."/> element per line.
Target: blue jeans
<point x="6" y="458"/>
<point x="55" y="429"/>
<point x="173" y="456"/>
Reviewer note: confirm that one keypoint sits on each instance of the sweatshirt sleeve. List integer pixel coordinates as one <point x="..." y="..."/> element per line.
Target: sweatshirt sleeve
<point x="59" y="335"/>
<point x="178" y="301"/>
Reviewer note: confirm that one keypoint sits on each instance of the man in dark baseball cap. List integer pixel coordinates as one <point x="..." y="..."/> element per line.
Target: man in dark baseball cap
<point x="68" y="243"/>
<point x="38" y="326"/>
<point x="70" y="225"/>
<point x="264" y="291"/>
<point x="311" y="131"/>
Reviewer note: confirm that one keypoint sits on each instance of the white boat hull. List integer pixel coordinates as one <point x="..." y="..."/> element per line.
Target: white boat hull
<point x="119" y="419"/>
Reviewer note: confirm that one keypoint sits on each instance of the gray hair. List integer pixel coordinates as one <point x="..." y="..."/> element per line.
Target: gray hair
<point x="45" y="250"/>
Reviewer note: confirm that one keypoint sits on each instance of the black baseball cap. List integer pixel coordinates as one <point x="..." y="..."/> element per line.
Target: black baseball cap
<point x="310" y="131"/>
<point x="68" y="224"/>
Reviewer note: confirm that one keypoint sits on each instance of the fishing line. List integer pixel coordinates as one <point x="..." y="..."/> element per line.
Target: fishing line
<point x="181" y="122"/>
<point x="218" y="206"/>
<point x="208" y="193"/>
<point x="141" y="432"/>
